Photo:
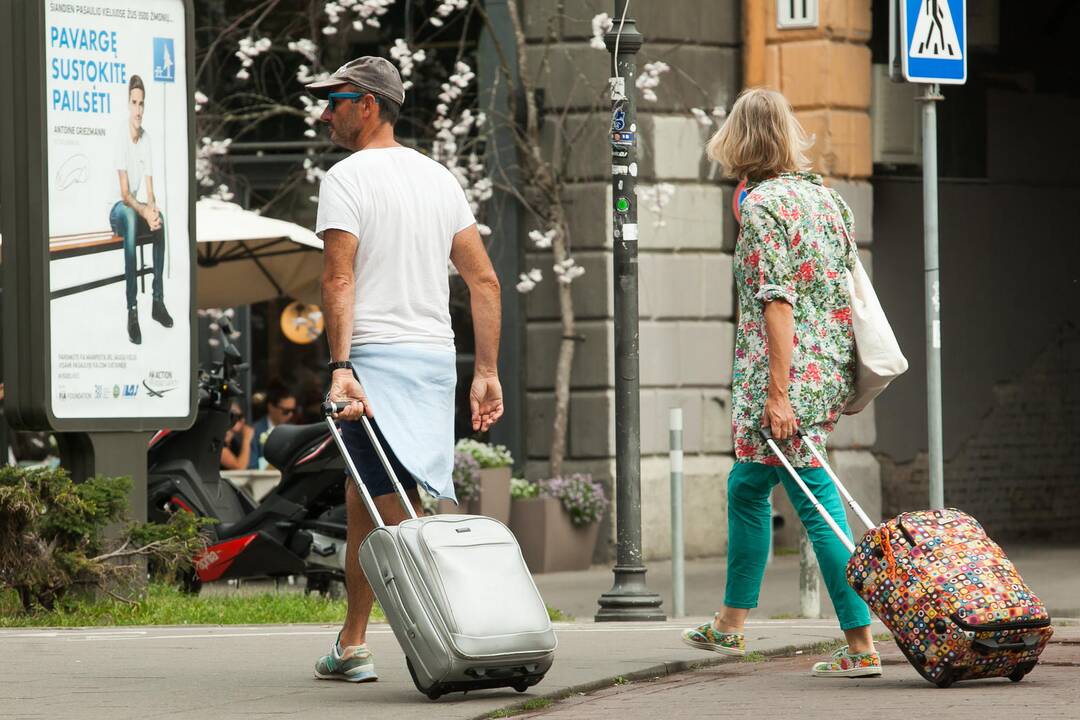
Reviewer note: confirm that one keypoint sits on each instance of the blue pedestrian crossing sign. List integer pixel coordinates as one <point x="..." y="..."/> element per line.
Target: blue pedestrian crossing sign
<point x="933" y="41"/>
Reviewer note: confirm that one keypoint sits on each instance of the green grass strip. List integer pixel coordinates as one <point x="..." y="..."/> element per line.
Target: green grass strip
<point x="166" y="605"/>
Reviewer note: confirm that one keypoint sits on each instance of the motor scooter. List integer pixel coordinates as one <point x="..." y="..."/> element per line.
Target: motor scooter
<point x="298" y="528"/>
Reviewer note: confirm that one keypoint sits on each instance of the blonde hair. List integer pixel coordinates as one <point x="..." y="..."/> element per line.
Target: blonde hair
<point x="761" y="137"/>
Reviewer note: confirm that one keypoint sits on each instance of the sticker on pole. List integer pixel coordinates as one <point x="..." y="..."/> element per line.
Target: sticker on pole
<point x="934" y="41"/>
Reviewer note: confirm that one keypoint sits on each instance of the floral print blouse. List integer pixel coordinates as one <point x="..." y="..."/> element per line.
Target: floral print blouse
<point x="792" y="247"/>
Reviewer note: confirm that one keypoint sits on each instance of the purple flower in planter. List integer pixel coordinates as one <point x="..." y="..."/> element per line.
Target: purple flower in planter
<point x="581" y="497"/>
<point x="466" y="476"/>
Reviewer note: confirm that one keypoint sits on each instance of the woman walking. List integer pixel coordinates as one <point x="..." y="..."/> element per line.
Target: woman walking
<point x="794" y="366"/>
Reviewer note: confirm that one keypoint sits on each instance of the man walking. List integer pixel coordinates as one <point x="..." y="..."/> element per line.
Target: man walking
<point x="390" y="218"/>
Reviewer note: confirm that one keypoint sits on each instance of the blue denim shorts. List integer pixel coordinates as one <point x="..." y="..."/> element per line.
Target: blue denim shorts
<point x="368" y="464"/>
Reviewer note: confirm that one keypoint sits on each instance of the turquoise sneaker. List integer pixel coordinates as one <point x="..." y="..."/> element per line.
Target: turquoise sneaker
<point x="352" y="664"/>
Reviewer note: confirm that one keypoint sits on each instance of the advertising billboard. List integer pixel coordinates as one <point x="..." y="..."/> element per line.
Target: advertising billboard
<point x="113" y="246"/>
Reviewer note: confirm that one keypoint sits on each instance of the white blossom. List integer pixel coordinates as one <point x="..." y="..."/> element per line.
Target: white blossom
<point x="305" y="47"/>
<point x="312" y="172"/>
<point x="655" y="198"/>
<point x="600" y="24"/>
<point x="246" y="53"/>
<point x="542" y="240"/>
<point x="567" y="271"/>
<point x="528" y="281"/>
<point x="406" y="60"/>
<point x="483" y="229"/>
<point x="650" y="78"/>
<point x="200" y="100"/>
<point x="708" y="119"/>
<point x="205" y="153"/>
<point x="448" y="6"/>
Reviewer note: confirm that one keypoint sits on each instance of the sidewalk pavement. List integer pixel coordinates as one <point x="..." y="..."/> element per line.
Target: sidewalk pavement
<point x="264" y="671"/>
<point x="735" y="690"/>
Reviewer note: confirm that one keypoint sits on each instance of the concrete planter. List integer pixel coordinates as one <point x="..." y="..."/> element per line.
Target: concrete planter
<point x="494" y="500"/>
<point x="549" y="541"/>
<point x="446" y="507"/>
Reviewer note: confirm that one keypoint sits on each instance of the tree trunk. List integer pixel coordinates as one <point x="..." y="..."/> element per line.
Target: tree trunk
<point x="546" y="189"/>
<point x="566" y="355"/>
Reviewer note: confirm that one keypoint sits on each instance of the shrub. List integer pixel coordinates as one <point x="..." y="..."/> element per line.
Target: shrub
<point x="485" y="455"/>
<point x="52" y="537"/>
<point x="581" y="497"/>
<point x="522" y="489"/>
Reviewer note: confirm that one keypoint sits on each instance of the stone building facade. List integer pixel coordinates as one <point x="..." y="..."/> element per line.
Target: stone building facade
<point x="687" y="309"/>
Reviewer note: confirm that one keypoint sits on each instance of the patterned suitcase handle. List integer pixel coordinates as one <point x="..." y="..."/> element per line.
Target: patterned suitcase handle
<point x="329" y="409"/>
<point x="766" y="433"/>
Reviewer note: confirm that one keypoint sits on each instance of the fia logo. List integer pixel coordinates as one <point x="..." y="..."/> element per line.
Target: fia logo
<point x="164" y="63"/>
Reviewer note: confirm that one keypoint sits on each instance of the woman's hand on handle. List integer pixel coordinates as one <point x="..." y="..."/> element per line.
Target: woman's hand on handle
<point x="779" y="417"/>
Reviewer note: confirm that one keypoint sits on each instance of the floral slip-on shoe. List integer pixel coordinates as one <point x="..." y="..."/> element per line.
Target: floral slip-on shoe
<point x="707" y="637"/>
<point x="845" y="664"/>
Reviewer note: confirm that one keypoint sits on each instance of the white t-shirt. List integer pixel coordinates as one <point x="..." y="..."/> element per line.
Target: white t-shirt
<point x="134" y="157"/>
<point x="405" y="209"/>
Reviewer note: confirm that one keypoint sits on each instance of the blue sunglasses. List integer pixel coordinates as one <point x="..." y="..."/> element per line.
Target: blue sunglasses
<point x="334" y="97"/>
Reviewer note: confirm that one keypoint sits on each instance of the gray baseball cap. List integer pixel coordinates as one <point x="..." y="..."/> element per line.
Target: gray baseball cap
<point x="374" y="74"/>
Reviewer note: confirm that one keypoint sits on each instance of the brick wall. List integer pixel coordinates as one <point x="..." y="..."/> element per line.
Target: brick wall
<point x="1018" y="474"/>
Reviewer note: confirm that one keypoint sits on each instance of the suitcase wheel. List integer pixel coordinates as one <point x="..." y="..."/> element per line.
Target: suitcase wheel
<point x="433" y="693"/>
<point x="523" y="685"/>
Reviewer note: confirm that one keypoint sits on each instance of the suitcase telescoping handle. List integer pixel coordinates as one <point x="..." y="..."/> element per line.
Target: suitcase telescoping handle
<point x="328" y="410"/>
<point x="856" y="508"/>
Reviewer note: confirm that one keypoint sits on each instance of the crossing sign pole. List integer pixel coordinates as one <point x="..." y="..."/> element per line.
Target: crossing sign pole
<point x="930" y="98"/>
<point x="928" y="45"/>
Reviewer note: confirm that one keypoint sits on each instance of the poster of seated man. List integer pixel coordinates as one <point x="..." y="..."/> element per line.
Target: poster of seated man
<point x="131" y="217"/>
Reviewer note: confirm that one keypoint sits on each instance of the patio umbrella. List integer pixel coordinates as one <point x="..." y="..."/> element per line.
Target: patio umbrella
<point x="244" y="257"/>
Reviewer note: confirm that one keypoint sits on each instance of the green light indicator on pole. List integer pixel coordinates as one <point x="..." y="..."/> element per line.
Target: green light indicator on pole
<point x="622" y="204"/>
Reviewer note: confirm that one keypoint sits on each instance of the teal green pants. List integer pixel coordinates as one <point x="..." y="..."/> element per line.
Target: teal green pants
<point x="750" y="523"/>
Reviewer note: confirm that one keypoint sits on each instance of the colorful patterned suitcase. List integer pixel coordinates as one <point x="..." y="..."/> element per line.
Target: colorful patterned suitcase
<point x="955" y="604"/>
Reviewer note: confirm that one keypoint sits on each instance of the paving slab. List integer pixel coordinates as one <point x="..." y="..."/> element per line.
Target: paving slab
<point x="265" y="671"/>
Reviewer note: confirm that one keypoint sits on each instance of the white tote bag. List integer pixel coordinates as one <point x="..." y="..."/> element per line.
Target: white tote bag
<point x="878" y="357"/>
<point x="878" y="360"/>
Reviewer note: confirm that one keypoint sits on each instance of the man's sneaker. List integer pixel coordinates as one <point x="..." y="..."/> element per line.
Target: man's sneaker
<point x="160" y="314"/>
<point x="707" y="637"/>
<point x="845" y="664"/>
<point x="351" y="664"/>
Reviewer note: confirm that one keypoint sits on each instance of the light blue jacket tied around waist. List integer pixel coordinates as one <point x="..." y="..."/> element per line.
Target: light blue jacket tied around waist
<point x="411" y="390"/>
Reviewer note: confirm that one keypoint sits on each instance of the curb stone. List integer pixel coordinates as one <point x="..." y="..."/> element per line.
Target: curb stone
<point x="649" y="673"/>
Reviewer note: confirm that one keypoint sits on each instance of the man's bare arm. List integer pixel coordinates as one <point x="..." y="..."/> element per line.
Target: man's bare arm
<point x="338" y="297"/>
<point x="339" y="290"/>
<point x="471" y="260"/>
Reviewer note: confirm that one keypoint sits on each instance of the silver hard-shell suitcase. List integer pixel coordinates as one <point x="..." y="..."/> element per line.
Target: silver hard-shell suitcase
<point x="456" y="592"/>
